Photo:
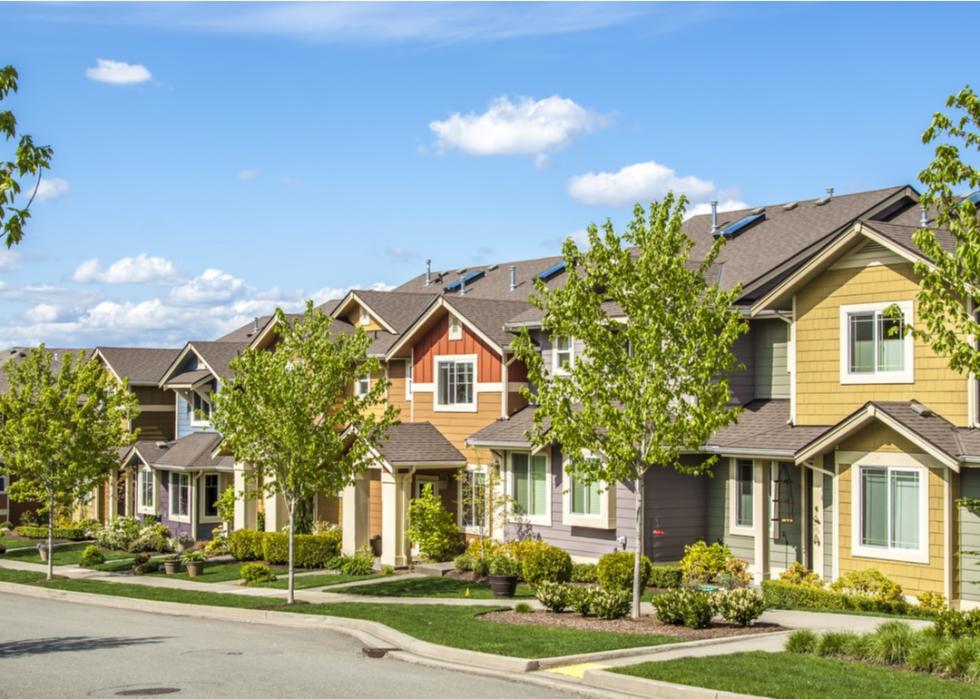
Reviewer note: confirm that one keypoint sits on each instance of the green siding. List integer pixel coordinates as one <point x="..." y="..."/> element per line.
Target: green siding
<point x="787" y="546"/>
<point x="741" y="546"/>
<point x="771" y="375"/>
<point x="968" y="535"/>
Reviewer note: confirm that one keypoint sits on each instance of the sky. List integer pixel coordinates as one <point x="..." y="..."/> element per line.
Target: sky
<point x="214" y="161"/>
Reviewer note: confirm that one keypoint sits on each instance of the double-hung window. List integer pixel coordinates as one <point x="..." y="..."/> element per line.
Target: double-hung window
<point x="211" y="494"/>
<point x="473" y="505"/>
<point x="363" y="386"/>
<point x="743" y="482"/>
<point x="892" y="511"/>
<point x="201" y="409"/>
<point x="530" y="485"/>
<point x="586" y="498"/>
<point x="563" y="354"/>
<point x="875" y="347"/>
<point x="147" y="500"/>
<point x="456" y="384"/>
<point x="180" y="495"/>
<point x="408" y="377"/>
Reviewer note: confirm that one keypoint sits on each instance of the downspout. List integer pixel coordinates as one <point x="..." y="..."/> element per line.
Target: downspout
<point x="505" y="378"/>
<point x="193" y="504"/>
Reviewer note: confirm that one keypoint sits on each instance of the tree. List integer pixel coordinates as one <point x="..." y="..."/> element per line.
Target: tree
<point x="62" y="428"/>
<point x="652" y="383"/>
<point x="951" y="280"/>
<point x="29" y="160"/>
<point x="291" y="414"/>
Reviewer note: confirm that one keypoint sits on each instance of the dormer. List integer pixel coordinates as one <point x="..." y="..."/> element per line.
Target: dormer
<point x="195" y="374"/>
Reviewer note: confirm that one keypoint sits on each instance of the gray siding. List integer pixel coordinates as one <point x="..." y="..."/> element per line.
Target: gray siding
<point x="770" y="351"/>
<point x="968" y="538"/>
<point x="717" y="521"/>
<point x="544" y="342"/>
<point x="742" y="381"/>
<point x="787" y="546"/>
<point x="677" y="504"/>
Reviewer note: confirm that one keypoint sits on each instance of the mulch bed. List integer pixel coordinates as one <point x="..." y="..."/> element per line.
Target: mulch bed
<point x="645" y="625"/>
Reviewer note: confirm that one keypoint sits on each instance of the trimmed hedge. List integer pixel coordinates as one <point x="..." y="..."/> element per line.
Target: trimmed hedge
<point x="32" y="532"/>
<point x="543" y="562"/>
<point x="310" y="550"/>
<point x="783" y="595"/>
<point x="666" y="577"/>
<point x="615" y="570"/>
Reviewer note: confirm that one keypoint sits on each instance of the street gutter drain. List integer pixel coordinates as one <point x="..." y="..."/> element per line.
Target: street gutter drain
<point x="376" y="652"/>
<point x="147" y="692"/>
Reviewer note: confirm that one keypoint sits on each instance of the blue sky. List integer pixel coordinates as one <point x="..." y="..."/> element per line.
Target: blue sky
<point x="219" y="160"/>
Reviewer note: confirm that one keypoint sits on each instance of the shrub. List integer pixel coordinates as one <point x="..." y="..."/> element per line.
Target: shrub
<point x="314" y="550"/>
<point x="33" y="532"/>
<point x="703" y="562"/>
<point x="666" y="577"/>
<point x="783" y="595"/>
<point x="742" y="606"/>
<point x="891" y="643"/>
<point x="698" y="609"/>
<point x="669" y="607"/>
<point x="553" y="595"/>
<point x="611" y="603"/>
<point x="218" y="546"/>
<point x="523" y="608"/>
<point x="952" y="623"/>
<point x="246" y="544"/>
<point x="544" y="562"/>
<point x="142" y="565"/>
<point x="801" y="641"/>
<point x="193" y="557"/>
<point x="482" y="547"/>
<point x="3" y="549"/>
<point x="463" y="562"/>
<point x="834" y="644"/>
<point x="615" y="570"/>
<point x="797" y="574"/>
<point x="361" y="563"/>
<point x="254" y="573"/>
<point x="868" y="583"/>
<point x="959" y="655"/>
<point x="275" y="547"/>
<point x="584" y="573"/>
<point x="154" y="537"/>
<point x="118" y="533"/>
<point x="431" y="526"/>
<point x="92" y="557"/>
<point x="932" y="602"/>
<point x="580" y="599"/>
<point x="736" y="574"/>
<point x="7" y="525"/>
<point x="387" y="570"/>
<point x="481" y="567"/>
<point x="503" y="564"/>
<point x="926" y="652"/>
<point x="858" y="647"/>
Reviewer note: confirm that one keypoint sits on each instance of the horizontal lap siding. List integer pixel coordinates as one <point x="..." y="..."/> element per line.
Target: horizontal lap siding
<point x="457" y="426"/>
<point x="741" y="382"/>
<point x="821" y="398"/>
<point x="677" y="504"/>
<point x="396" y="389"/>
<point x="788" y="546"/>
<point x="436" y="342"/>
<point x="771" y="376"/>
<point x="717" y="521"/>
<point x="156" y="426"/>
<point x="968" y="539"/>
<point x="374" y="498"/>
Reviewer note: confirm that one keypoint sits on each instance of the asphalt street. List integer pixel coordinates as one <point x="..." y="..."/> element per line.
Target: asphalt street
<point x="61" y="649"/>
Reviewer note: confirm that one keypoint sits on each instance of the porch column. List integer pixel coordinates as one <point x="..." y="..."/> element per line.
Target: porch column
<point x="112" y="496"/>
<point x="356" y="513"/>
<point x="394" y="513"/>
<point x="246" y="515"/>
<point x="760" y="515"/>
<point x="817" y="528"/>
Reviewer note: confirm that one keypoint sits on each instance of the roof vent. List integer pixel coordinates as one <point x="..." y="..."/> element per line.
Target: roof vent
<point x="792" y="205"/>
<point x="920" y="409"/>
<point x="759" y="210"/>
<point x="513" y="276"/>
<point x="714" y="217"/>
<point x="830" y="195"/>
<point x="161" y="445"/>
<point x="428" y="272"/>
<point x="461" y="271"/>
<point x="923" y="217"/>
<point x="255" y="325"/>
<point x="491" y="268"/>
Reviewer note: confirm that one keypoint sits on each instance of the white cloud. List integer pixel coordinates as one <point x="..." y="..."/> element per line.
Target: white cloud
<point x="43" y="313"/>
<point x="642" y="182"/>
<point x="48" y="188"/>
<point x="9" y="259"/>
<point x="397" y="252"/>
<point x="118" y="72"/>
<point x="726" y="205"/>
<point x="527" y="127"/>
<point x="246" y="175"/>
<point x="213" y="286"/>
<point x="142" y="269"/>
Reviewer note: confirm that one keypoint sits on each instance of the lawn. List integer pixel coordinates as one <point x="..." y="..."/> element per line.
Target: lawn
<point x="18" y="542"/>
<point x="304" y="582"/>
<point x="430" y="586"/>
<point x="793" y="676"/>
<point x="225" y="571"/>
<point x="70" y="554"/>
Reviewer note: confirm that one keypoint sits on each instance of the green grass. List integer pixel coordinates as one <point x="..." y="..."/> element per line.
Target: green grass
<point x="304" y="582"/>
<point x="19" y="542"/>
<point x="20" y="576"/>
<point x="430" y="586"/>
<point x="215" y="572"/>
<point x="794" y="676"/>
<point x="70" y="554"/>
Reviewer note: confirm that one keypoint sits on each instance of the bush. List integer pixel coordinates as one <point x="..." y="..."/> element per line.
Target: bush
<point x="523" y="608"/>
<point x="246" y="544"/>
<point x="783" y="595"/>
<point x="585" y="573"/>
<point x="580" y="599"/>
<point x="669" y="607"/>
<point x="482" y="548"/>
<point x="431" y="526"/>
<point x="553" y="595"/>
<point x="361" y="563"/>
<point x="275" y="547"/>
<point x="868" y="583"/>
<point x="463" y="562"/>
<point x="92" y="557"/>
<point x="952" y="623"/>
<point x="611" y="603"/>
<point x="801" y="641"/>
<point x="703" y="563"/>
<point x="309" y="550"/>
<point x="926" y="652"/>
<point x="698" y="609"/>
<point x="218" y="546"/>
<point x="666" y="577"/>
<point x="543" y="562"/>
<point x="503" y="564"/>
<point x="118" y="533"/>
<point x="797" y="574"/>
<point x="859" y="647"/>
<point x="959" y="655"/>
<point x="615" y="570"/>
<point x="891" y="643"/>
<point x="932" y="603"/>
<point x="142" y="565"/>
<point x="742" y="606"/>
<point x="154" y="537"/>
<point x="254" y="573"/>
<point x="835" y="644"/>
<point x="33" y="532"/>
<point x="481" y="567"/>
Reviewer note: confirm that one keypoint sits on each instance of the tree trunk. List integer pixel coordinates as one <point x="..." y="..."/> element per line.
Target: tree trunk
<point x="51" y="536"/>
<point x="638" y="559"/>
<point x="291" y="597"/>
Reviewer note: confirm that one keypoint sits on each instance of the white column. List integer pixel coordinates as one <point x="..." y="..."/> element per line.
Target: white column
<point x="760" y="517"/>
<point x="394" y="511"/>
<point x="246" y="508"/>
<point x="805" y="542"/>
<point x="356" y="513"/>
<point x="817" y="528"/>
<point x="111" y="500"/>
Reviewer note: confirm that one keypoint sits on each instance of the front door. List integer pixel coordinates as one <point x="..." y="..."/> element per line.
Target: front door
<point x="421" y="482"/>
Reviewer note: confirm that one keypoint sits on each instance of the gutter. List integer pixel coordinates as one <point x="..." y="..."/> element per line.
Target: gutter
<point x="750" y="453"/>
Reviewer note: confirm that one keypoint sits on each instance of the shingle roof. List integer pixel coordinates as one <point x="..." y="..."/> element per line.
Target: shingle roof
<point x="901" y="234"/>
<point x="149" y="451"/>
<point x="489" y="315"/>
<point x="763" y="425"/>
<point x="397" y="309"/>
<point x="17" y="354"/>
<point x="194" y="451"/>
<point x="511" y="431"/>
<point x="495" y="282"/>
<point x="248" y="331"/>
<point x="140" y="365"/>
<point x="419" y="442"/>
<point x="218" y="355"/>
<point x="188" y="378"/>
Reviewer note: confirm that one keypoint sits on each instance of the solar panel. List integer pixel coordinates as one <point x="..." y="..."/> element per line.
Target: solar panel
<point x="471" y="277"/>
<point x="975" y="197"/>
<point x="740" y="225"/>
<point x="552" y="271"/>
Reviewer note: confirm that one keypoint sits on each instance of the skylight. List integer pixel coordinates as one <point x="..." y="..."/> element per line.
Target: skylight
<point x="740" y="225"/>
<point x="552" y="271"/>
<point x="975" y="197"/>
<point x="471" y="277"/>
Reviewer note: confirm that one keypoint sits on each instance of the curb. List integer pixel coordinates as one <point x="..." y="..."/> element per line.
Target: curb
<point x="638" y="686"/>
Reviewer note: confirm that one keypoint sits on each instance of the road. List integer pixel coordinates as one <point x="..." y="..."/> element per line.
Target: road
<point x="61" y="649"/>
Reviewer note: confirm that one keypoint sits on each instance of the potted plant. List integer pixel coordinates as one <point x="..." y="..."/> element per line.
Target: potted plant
<point x="503" y="575"/>
<point x="184" y="542"/>
<point x="194" y="562"/>
<point x="171" y="564"/>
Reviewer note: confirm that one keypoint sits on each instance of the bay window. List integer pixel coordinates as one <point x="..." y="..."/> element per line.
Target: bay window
<point x="586" y="498"/>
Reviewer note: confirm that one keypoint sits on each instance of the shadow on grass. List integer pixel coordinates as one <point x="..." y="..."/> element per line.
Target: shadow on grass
<point x="70" y="644"/>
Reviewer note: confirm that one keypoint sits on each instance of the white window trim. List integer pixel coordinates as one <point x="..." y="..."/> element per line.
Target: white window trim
<point x="907" y="375"/>
<point x="170" y="497"/>
<point x="556" y="368"/>
<point x="606" y="519"/>
<point x="409" y="373"/>
<point x="536" y="520"/>
<point x="140" y="475"/>
<point x="195" y="420"/>
<point x="357" y="386"/>
<point x="455" y="331"/>
<point x="733" y="526"/>
<point x="457" y="407"/>
<point x="470" y="468"/>
<point x="900" y="462"/>
<point x="363" y="318"/>
<point x="3" y="484"/>
<point x="205" y="518"/>
<point x="423" y="480"/>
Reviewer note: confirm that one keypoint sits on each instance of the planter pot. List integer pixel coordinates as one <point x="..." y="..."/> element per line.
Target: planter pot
<point x="171" y="567"/>
<point x="42" y="551"/>
<point x="184" y="546"/>
<point x="194" y="568"/>
<point x="503" y="585"/>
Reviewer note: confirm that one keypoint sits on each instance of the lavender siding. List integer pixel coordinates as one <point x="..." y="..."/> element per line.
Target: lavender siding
<point x="164" y="509"/>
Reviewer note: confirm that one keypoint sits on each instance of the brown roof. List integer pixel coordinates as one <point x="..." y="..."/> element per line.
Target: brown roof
<point x="399" y="310"/>
<point x="218" y="355"/>
<point x="512" y="431"/>
<point x="248" y="331"/>
<point x="188" y="378"/>
<point x="957" y="442"/>
<point x="148" y="450"/>
<point x="489" y="315"/>
<point x="901" y="235"/>
<point x="17" y="354"/>
<point x="194" y="451"/>
<point x="419" y="443"/>
<point x="763" y="425"/>
<point x="495" y="282"/>
<point x="140" y="365"/>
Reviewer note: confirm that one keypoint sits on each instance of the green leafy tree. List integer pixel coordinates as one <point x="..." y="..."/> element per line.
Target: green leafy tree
<point x="652" y="382"/>
<point x="291" y="414"/>
<point x="29" y="161"/>
<point x="431" y="526"/>
<point x="62" y="428"/>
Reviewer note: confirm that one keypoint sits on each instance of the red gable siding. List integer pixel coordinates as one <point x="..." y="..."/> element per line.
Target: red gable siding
<point x="436" y="343"/>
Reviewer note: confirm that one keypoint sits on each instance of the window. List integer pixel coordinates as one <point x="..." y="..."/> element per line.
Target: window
<point x="201" y="409"/>
<point x="456" y="379"/>
<point x="744" y="481"/>
<point x="563" y="354"/>
<point x="211" y="494"/>
<point x="409" y="366"/>
<point x="3" y="484"/>
<point x="890" y="508"/>
<point x="473" y="499"/>
<point x="363" y="318"/>
<point x="147" y="500"/>
<point x="875" y="347"/>
<point x="455" y="328"/>
<point x="586" y="498"/>
<point x="180" y="495"/>
<point x="363" y="385"/>
<point x="530" y="485"/>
